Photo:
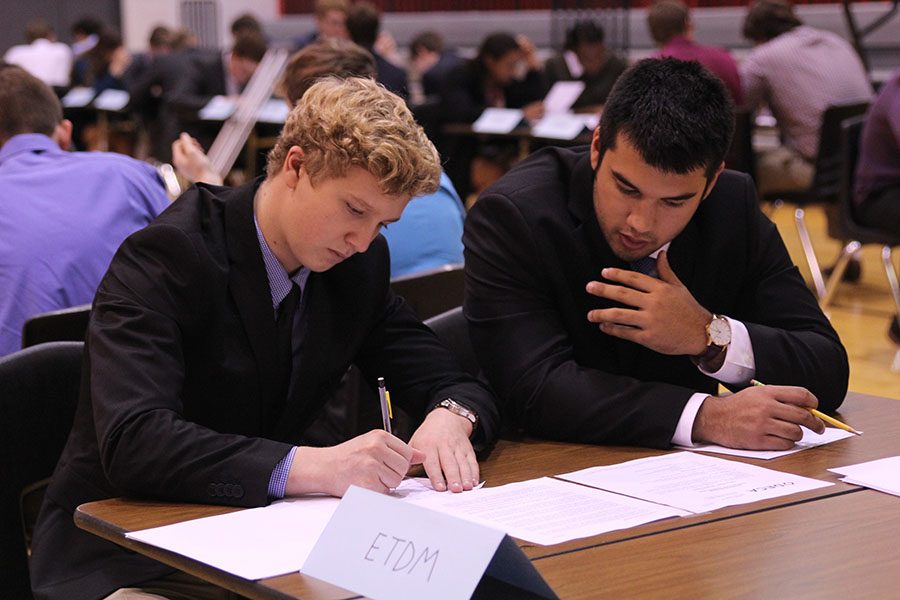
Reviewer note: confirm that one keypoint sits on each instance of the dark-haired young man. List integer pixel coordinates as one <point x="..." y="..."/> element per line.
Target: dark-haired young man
<point x="610" y="289"/>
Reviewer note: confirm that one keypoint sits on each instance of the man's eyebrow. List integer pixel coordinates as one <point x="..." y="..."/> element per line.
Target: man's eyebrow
<point x="624" y="181"/>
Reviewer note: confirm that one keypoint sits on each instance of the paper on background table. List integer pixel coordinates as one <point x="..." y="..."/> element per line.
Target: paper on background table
<point x="547" y="511"/>
<point x="498" y="120"/>
<point x="693" y="482"/>
<point x="810" y="439"/>
<point x="882" y="474"/>
<point x="218" y="108"/>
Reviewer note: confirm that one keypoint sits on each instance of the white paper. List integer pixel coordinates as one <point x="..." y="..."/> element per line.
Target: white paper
<point x="810" y="439"/>
<point x="113" y="100"/>
<point x="693" y="482"/>
<point x="253" y="543"/>
<point x="882" y="474"/>
<point x="273" y="111"/>
<point x="562" y="96"/>
<point x="78" y="97"/>
<point x="218" y="108"/>
<point x="498" y="120"/>
<point x="560" y="126"/>
<point x="547" y="511"/>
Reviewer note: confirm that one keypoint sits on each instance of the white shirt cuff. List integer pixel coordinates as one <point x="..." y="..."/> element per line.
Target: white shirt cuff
<point x="685" y="426"/>
<point x="739" y="366"/>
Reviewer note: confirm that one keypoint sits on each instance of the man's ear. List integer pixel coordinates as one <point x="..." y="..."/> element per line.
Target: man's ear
<point x="595" y="149"/>
<point x="712" y="181"/>
<point x="293" y="164"/>
<point x="62" y="134"/>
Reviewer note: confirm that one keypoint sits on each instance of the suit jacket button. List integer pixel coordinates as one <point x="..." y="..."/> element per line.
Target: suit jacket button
<point x="228" y="490"/>
<point x="211" y="489"/>
<point x="219" y="489"/>
<point x="238" y="491"/>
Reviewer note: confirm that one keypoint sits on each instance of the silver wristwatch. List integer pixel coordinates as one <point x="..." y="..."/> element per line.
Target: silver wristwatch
<point x="458" y="409"/>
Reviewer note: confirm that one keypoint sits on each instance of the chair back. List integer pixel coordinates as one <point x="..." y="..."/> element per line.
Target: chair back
<point x="452" y="329"/>
<point x="826" y="186"/>
<point x="38" y="395"/>
<point x="68" y="324"/>
<point x="741" y="156"/>
<point x="432" y="292"/>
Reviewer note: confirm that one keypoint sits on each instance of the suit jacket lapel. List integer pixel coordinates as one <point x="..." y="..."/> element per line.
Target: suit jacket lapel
<point x="249" y="287"/>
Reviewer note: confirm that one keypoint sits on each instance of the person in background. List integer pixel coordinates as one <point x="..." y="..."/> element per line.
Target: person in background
<point x="331" y="23"/>
<point x="611" y="289"/>
<point x="431" y="61"/>
<point x="363" y="25"/>
<point x="85" y="33"/>
<point x="246" y="24"/>
<point x="798" y="72"/>
<point x="64" y="213"/>
<point x="219" y="330"/>
<point x="877" y="183"/>
<point x="43" y="56"/>
<point x="670" y="25"/>
<point x="586" y="58"/>
<point x="430" y="233"/>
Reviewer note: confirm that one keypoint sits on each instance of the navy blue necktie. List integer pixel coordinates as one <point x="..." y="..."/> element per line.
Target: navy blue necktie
<point x="646" y="265"/>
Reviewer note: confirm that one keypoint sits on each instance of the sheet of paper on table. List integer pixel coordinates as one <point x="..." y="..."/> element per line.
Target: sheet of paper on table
<point x="882" y="474"/>
<point x="693" y="482"/>
<point x="810" y="439"/>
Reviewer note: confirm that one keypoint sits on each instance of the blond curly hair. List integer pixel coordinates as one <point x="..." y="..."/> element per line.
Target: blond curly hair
<point x="354" y="122"/>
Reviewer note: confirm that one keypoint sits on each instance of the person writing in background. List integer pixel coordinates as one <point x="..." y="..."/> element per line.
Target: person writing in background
<point x="219" y="331"/>
<point x="610" y="289"/>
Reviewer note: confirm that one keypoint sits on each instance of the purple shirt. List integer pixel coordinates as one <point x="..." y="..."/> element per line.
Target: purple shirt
<point x="62" y="217"/>
<point x="879" y="151"/>
<point x="717" y="60"/>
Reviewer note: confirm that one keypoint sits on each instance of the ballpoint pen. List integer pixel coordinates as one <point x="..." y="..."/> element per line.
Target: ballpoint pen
<point x="385" y="400"/>
<point x="830" y="420"/>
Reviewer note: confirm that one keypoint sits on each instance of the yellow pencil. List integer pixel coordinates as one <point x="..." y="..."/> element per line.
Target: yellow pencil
<point x="387" y="396"/>
<point x="830" y="420"/>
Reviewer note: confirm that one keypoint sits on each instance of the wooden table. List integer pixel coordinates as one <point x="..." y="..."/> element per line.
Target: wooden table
<point x="518" y="460"/>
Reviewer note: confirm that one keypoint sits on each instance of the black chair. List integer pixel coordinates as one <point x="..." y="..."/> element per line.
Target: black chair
<point x="452" y="329"/>
<point x="741" y="156"/>
<point x="68" y="324"/>
<point x="432" y="292"/>
<point x="38" y="395"/>
<point x="826" y="183"/>
<point x="847" y="226"/>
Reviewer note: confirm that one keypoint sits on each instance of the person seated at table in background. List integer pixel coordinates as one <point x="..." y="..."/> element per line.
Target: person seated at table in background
<point x="64" y="213"/>
<point x="877" y="185"/>
<point x="43" y="56"/>
<point x="586" y="58"/>
<point x="798" y="71"/>
<point x="331" y="23"/>
<point x="363" y="25"/>
<point x="430" y="233"/>
<point x="611" y="288"/>
<point x="506" y="73"/>
<point x="220" y="329"/>
<point x="670" y="25"/>
<point x="430" y="62"/>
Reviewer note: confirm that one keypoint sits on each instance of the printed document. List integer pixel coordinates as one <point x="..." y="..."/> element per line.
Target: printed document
<point x="882" y="474"/>
<point x="810" y="439"/>
<point x="693" y="482"/>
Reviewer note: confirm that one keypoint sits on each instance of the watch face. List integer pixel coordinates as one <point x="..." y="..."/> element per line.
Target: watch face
<point x="720" y="332"/>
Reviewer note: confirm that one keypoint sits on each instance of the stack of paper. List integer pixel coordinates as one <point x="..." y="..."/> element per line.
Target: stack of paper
<point x="882" y="474"/>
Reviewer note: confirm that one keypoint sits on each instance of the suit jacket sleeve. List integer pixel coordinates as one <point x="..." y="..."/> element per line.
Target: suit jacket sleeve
<point x="528" y="355"/>
<point x="154" y="296"/>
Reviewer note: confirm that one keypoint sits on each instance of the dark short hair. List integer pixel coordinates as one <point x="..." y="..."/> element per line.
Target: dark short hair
<point x="497" y="45"/>
<point x="160" y="37"/>
<point x="250" y="46"/>
<point x="29" y="105"/>
<point x="363" y="23"/>
<point x="38" y="29"/>
<point x="87" y="26"/>
<point x="338" y="58"/>
<point x="427" y="40"/>
<point x="767" y="19"/>
<point x="678" y="115"/>
<point x="667" y="19"/>
<point x="246" y="23"/>
<point x="583" y="32"/>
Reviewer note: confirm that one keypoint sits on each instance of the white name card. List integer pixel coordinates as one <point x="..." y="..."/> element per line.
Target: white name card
<point x="498" y="120"/>
<point x="381" y="547"/>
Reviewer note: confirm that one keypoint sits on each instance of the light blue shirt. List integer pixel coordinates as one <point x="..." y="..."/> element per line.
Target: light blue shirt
<point x="62" y="217"/>
<point x="429" y="234"/>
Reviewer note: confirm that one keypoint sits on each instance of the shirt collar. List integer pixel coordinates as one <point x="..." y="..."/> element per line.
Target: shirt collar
<point x="665" y="247"/>
<point x="27" y="142"/>
<point x="280" y="282"/>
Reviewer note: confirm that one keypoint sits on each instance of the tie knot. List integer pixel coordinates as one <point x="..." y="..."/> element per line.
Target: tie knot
<point x="646" y="265"/>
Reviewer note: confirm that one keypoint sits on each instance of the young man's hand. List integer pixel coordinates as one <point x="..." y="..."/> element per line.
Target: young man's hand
<point x="450" y="460"/>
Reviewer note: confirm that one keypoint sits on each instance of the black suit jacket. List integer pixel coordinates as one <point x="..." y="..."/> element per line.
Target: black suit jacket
<point x="532" y="242"/>
<point x="180" y="378"/>
<point x="463" y="94"/>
